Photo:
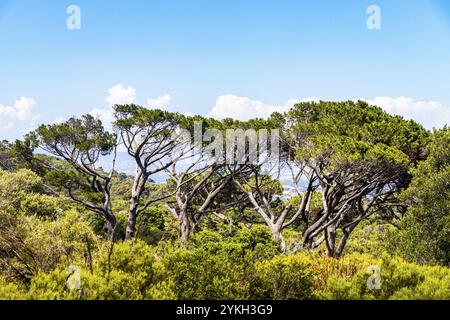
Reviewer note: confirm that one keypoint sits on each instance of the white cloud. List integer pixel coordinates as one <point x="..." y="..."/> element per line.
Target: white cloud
<point x="121" y="95"/>
<point x="291" y="102"/>
<point x="18" y="116"/>
<point x="116" y="95"/>
<point x="160" y="102"/>
<point x="244" y="108"/>
<point x="59" y="120"/>
<point x="21" y="109"/>
<point x="106" y="115"/>
<point x="429" y="113"/>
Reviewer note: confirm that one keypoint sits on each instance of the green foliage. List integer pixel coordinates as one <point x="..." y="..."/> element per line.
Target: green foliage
<point x="30" y="245"/>
<point x="199" y="275"/>
<point x="369" y="237"/>
<point x="128" y="116"/>
<point x="10" y="291"/>
<point x="7" y="161"/>
<point x="151" y="225"/>
<point x="352" y="131"/>
<point x="399" y="280"/>
<point x="232" y="254"/>
<point x="23" y="193"/>
<point x="125" y="272"/>
<point x="348" y="131"/>
<point x="134" y="270"/>
<point x="424" y="235"/>
<point x="216" y="266"/>
<point x="85" y="135"/>
<point x="285" y="278"/>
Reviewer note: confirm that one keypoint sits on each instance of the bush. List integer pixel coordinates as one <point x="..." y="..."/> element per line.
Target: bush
<point x="247" y="265"/>
<point x="30" y="245"/>
<point x="399" y="280"/>
<point x="10" y="291"/>
<point x="151" y="225"/>
<point x="23" y="193"/>
<point x="424" y="230"/>
<point x="216" y="266"/>
<point x="198" y="275"/>
<point x="284" y="278"/>
<point x="126" y="272"/>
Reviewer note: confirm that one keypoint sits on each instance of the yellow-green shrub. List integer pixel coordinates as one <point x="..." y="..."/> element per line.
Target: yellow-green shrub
<point x="284" y="277"/>
<point x="399" y="280"/>
<point x="126" y="272"/>
<point x="10" y="291"/>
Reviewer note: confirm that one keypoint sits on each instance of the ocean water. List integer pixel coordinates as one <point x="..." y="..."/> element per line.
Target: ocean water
<point x="126" y="164"/>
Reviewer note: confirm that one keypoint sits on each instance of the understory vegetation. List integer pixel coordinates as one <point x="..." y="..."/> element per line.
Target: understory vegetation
<point x="365" y="213"/>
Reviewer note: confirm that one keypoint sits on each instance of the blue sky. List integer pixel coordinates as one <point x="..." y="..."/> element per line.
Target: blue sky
<point x="221" y="57"/>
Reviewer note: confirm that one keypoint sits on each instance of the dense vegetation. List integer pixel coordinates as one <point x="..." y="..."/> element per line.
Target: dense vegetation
<point x="367" y="191"/>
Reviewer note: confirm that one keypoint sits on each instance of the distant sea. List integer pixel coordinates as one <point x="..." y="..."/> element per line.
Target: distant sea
<point x="125" y="164"/>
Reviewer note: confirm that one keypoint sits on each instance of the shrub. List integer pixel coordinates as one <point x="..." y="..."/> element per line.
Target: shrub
<point x="284" y="278"/>
<point x="399" y="280"/>
<point x="198" y="275"/>
<point x="126" y="272"/>
<point x="10" y="291"/>
<point x="30" y="245"/>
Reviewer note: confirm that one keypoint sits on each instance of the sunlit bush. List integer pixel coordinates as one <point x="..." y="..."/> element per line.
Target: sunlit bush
<point x="399" y="280"/>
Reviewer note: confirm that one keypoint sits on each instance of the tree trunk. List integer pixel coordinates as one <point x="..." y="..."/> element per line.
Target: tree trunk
<point x="111" y="228"/>
<point x="185" y="228"/>
<point x="131" y="225"/>
<point x="136" y="192"/>
<point x="111" y="222"/>
<point x="341" y="246"/>
<point x="277" y="235"/>
<point x="330" y="239"/>
<point x="343" y="242"/>
<point x="132" y="218"/>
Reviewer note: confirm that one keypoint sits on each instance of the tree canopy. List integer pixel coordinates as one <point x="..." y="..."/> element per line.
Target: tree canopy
<point x="296" y="206"/>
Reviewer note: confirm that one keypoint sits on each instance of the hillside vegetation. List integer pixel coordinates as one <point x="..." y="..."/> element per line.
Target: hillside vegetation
<point x="365" y="214"/>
